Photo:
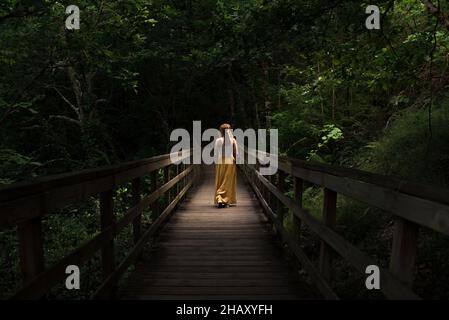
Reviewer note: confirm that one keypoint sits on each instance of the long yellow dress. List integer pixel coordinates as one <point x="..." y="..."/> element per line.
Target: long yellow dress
<point x="225" y="181"/>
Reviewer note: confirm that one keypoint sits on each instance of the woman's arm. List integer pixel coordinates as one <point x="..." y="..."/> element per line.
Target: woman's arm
<point x="216" y="151"/>
<point x="235" y="149"/>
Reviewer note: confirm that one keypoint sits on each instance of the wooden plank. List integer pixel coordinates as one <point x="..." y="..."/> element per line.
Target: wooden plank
<point x="209" y="269"/>
<point x="48" y="183"/>
<point x="298" y="188"/>
<point x="216" y="233"/>
<point x="144" y="272"/>
<point x="166" y="179"/>
<point x="329" y="219"/>
<point x="260" y="282"/>
<point x="136" y="196"/>
<point x="216" y="250"/>
<point x="403" y="253"/>
<point x="432" y="193"/>
<point x="107" y="220"/>
<point x="214" y="291"/>
<point x="218" y="242"/>
<point x="215" y="257"/>
<point x="229" y="237"/>
<point x="31" y="249"/>
<point x="216" y="263"/>
<point x="221" y="297"/>
<point x="154" y="187"/>
<point x="214" y="276"/>
<point x="280" y="212"/>
<point x="178" y="185"/>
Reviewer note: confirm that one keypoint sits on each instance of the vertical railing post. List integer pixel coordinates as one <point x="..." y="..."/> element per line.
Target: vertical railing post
<point x="154" y="187"/>
<point x="281" y="187"/>
<point x="107" y="219"/>
<point x="255" y="180"/>
<point x="269" y="194"/>
<point x="178" y="183"/>
<point x="298" y="186"/>
<point x="329" y="219"/>
<point x="137" y="223"/>
<point x="184" y="167"/>
<point x="31" y="248"/>
<point x="167" y="179"/>
<point x="403" y="253"/>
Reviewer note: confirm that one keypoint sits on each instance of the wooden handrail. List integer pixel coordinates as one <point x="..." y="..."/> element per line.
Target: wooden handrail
<point x="400" y="198"/>
<point x="24" y="201"/>
<point x="423" y="191"/>
<point x="55" y="192"/>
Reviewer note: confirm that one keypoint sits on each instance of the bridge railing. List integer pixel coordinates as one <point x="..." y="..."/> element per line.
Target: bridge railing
<point x="412" y="205"/>
<point x="25" y="205"/>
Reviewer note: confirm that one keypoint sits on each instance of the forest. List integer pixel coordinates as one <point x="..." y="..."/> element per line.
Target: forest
<point x="339" y="94"/>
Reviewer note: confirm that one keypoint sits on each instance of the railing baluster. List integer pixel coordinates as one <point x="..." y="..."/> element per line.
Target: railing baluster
<point x="269" y="195"/>
<point x="403" y="253"/>
<point x="184" y="180"/>
<point x="31" y="248"/>
<point x="298" y="191"/>
<point x="329" y="219"/>
<point x="154" y="186"/>
<point x="167" y="179"/>
<point x="281" y="186"/>
<point x="107" y="219"/>
<point x="177" y="184"/>
<point x="137" y="223"/>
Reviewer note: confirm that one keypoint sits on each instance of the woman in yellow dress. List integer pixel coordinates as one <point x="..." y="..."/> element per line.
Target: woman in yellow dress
<point x="225" y="152"/>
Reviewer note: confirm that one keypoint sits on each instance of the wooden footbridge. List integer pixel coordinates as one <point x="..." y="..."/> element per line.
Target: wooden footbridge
<point x="192" y="250"/>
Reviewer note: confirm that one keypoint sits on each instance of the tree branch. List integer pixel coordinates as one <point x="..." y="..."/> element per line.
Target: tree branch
<point x="66" y="100"/>
<point x="435" y="11"/>
<point x="66" y="119"/>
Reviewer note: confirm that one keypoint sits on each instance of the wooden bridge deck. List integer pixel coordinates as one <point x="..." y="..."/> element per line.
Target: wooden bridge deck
<point x="209" y="253"/>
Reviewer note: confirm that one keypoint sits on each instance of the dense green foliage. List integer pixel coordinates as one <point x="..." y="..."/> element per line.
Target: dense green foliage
<point x="113" y="90"/>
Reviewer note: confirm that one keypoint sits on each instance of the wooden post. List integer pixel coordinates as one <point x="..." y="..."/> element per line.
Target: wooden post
<point x="31" y="248"/>
<point x="184" y="180"/>
<point x="154" y="186"/>
<point x="178" y="189"/>
<point x="403" y="253"/>
<point x="167" y="179"/>
<point x="280" y="206"/>
<point x="137" y="223"/>
<point x="330" y="220"/>
<point x="107" y="219"/>
<point x="256" y="181"/>
<point x="270" y="195"/>
<point x="298" y="190"/>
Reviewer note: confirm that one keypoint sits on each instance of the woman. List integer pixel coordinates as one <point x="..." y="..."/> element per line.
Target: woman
<point x="225" y="152"/>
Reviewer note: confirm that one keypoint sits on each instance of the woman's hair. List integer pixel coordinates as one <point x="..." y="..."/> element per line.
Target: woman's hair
<point x="223" y="127"/>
